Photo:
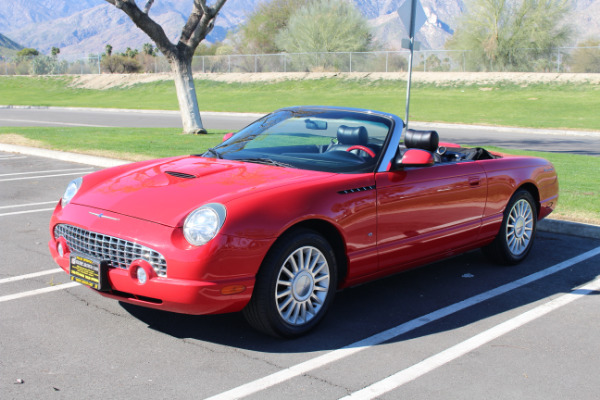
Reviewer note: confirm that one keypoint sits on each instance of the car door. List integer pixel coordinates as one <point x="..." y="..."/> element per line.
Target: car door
<point x="424" y="213"/>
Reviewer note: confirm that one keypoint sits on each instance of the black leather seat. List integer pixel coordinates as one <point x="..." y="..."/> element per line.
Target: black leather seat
<point x="424" y="140"/>
<point x="350" y="136"/>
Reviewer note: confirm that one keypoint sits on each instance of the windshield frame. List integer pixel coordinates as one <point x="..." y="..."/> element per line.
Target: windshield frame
<point x="237" y="142"/>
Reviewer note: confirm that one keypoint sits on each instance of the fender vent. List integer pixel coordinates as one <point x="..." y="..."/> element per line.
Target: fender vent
<point x="181" y="175"/>
<point x="361" y="189"/>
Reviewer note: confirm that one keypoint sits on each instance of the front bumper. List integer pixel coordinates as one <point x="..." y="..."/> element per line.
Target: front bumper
<point x="215" y="278"/>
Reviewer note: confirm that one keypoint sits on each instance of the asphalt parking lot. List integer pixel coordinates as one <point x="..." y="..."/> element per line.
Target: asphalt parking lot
<point x="460" y="328"/>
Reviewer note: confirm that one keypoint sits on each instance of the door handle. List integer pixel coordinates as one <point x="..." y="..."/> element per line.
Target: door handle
<point x="474" y="181"/>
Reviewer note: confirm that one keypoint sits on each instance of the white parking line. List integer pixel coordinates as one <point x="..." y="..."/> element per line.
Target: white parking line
<point x="11" y="157"/>
<point x="35" y="292"/>
<point x="47" y="171"/>
<point x="32" y="275"/>
<point x="327" y="358"/>
<point x="29" y="204"/>
<point x="26" y="212"/>
<point x="38" y="177"/>
<point x="454" y="352"/>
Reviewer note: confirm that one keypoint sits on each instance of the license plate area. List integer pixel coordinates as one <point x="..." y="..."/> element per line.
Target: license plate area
<point x="88" y="271"/>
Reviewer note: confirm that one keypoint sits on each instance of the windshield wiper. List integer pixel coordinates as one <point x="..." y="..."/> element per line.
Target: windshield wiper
<point x="266" y="161"/>
<point x="213" y="152"/>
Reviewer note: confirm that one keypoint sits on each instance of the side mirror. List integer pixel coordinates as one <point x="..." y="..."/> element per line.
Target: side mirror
<point x="227" y="136"/>
<point x="414" y="158"/>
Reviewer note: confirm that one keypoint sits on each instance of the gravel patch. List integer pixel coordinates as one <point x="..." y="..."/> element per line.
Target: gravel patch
<point x="107" y="81"/>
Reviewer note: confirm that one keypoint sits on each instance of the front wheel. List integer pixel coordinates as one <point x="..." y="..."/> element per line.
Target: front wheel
<point x="294" y="286"/>
<point x="517" y="232"/>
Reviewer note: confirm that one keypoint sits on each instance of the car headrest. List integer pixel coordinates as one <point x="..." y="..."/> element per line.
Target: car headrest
<point x="352" y="135"/>
<point x="425" y="140"/>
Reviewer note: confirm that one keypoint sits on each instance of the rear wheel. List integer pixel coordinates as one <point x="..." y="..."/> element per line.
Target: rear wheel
<point x="517" y="232"/>
<point x="294" y="286"/>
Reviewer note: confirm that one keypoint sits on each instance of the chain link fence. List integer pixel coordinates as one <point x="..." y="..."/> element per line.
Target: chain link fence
<point x="559" y="60"/>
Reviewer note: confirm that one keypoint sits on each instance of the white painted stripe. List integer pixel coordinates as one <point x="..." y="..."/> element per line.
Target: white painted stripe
<point x="48" y="289"/>
<point x="38" y="177"/>
<point x="32" y="275"/>
<point x="37" y="122"/>
<point x="409" y="374"/>
<point x="48" y="171"/>
<point x="327" y="358"/>
<point x="11" y="157"/>
<point x="26" y="212"/>
<point x="29" y="204"/>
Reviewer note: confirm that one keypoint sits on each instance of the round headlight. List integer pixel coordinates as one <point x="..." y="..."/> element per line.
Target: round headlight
<point x="204" y="223"/>
<point x="72" y="189"/>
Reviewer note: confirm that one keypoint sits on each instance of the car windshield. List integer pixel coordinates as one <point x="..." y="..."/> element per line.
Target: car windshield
<point x="315" y="139"/>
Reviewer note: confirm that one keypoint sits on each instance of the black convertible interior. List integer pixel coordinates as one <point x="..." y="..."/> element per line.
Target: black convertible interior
<point x="429" y="140"/>
<point x="332" y="141"/>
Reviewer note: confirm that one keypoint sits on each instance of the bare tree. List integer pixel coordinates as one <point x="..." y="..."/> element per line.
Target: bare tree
<point x="199" y="24"/>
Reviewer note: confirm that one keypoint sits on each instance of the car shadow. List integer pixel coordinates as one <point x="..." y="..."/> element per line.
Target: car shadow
<point x="368" y="309"/>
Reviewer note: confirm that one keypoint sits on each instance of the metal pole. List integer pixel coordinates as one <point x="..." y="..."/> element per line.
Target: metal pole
<point x="99" y="72"/>
<point x="350" y="61"/>
<point x="387" y="53"/>
<point x="411" y="35"/>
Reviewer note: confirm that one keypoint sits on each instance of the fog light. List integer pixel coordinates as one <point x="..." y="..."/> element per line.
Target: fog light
<point x="141" y="275"/>
<point x="60" y="249"/>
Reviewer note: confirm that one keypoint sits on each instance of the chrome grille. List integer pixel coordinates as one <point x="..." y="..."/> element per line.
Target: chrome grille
<point x="120" y="253"/>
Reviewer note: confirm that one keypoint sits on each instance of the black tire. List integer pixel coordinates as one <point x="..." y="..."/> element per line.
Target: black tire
<point x="517" y="233"/>
<point x="308" y="289"/>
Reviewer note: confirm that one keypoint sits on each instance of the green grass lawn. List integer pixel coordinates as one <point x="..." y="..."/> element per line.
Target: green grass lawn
<point x="579" y="182"/>
<point x="578" y="175"/>
<point x="569" y="106"/>
<point x="124" y="143"/>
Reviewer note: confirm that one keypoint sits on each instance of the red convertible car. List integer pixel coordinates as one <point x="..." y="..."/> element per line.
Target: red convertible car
<point x="301" y="203"/>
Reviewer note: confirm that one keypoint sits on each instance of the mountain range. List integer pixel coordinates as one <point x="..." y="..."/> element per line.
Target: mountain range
<point x="8" y="48"/>
<point x="81" y="27"/>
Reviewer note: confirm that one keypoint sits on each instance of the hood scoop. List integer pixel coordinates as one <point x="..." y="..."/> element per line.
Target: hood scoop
<point x="181" y="175"/>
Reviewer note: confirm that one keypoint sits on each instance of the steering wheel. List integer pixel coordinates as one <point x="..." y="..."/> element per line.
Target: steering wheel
<point x="367" y="150"/>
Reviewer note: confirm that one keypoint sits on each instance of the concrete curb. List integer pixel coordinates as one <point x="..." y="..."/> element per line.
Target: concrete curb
<point x="423" y="125"/>
<point x="546" y="225"/>
<point x="570" y="228"/>
<point x="507" y="129"/>
<point x="63" y="156"/>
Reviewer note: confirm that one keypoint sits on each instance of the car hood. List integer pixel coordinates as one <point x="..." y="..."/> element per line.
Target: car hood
<point x="166" y="191"/>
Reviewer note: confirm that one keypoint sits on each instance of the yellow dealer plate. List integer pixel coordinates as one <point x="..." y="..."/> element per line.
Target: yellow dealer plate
<point x="86" y="270"/>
